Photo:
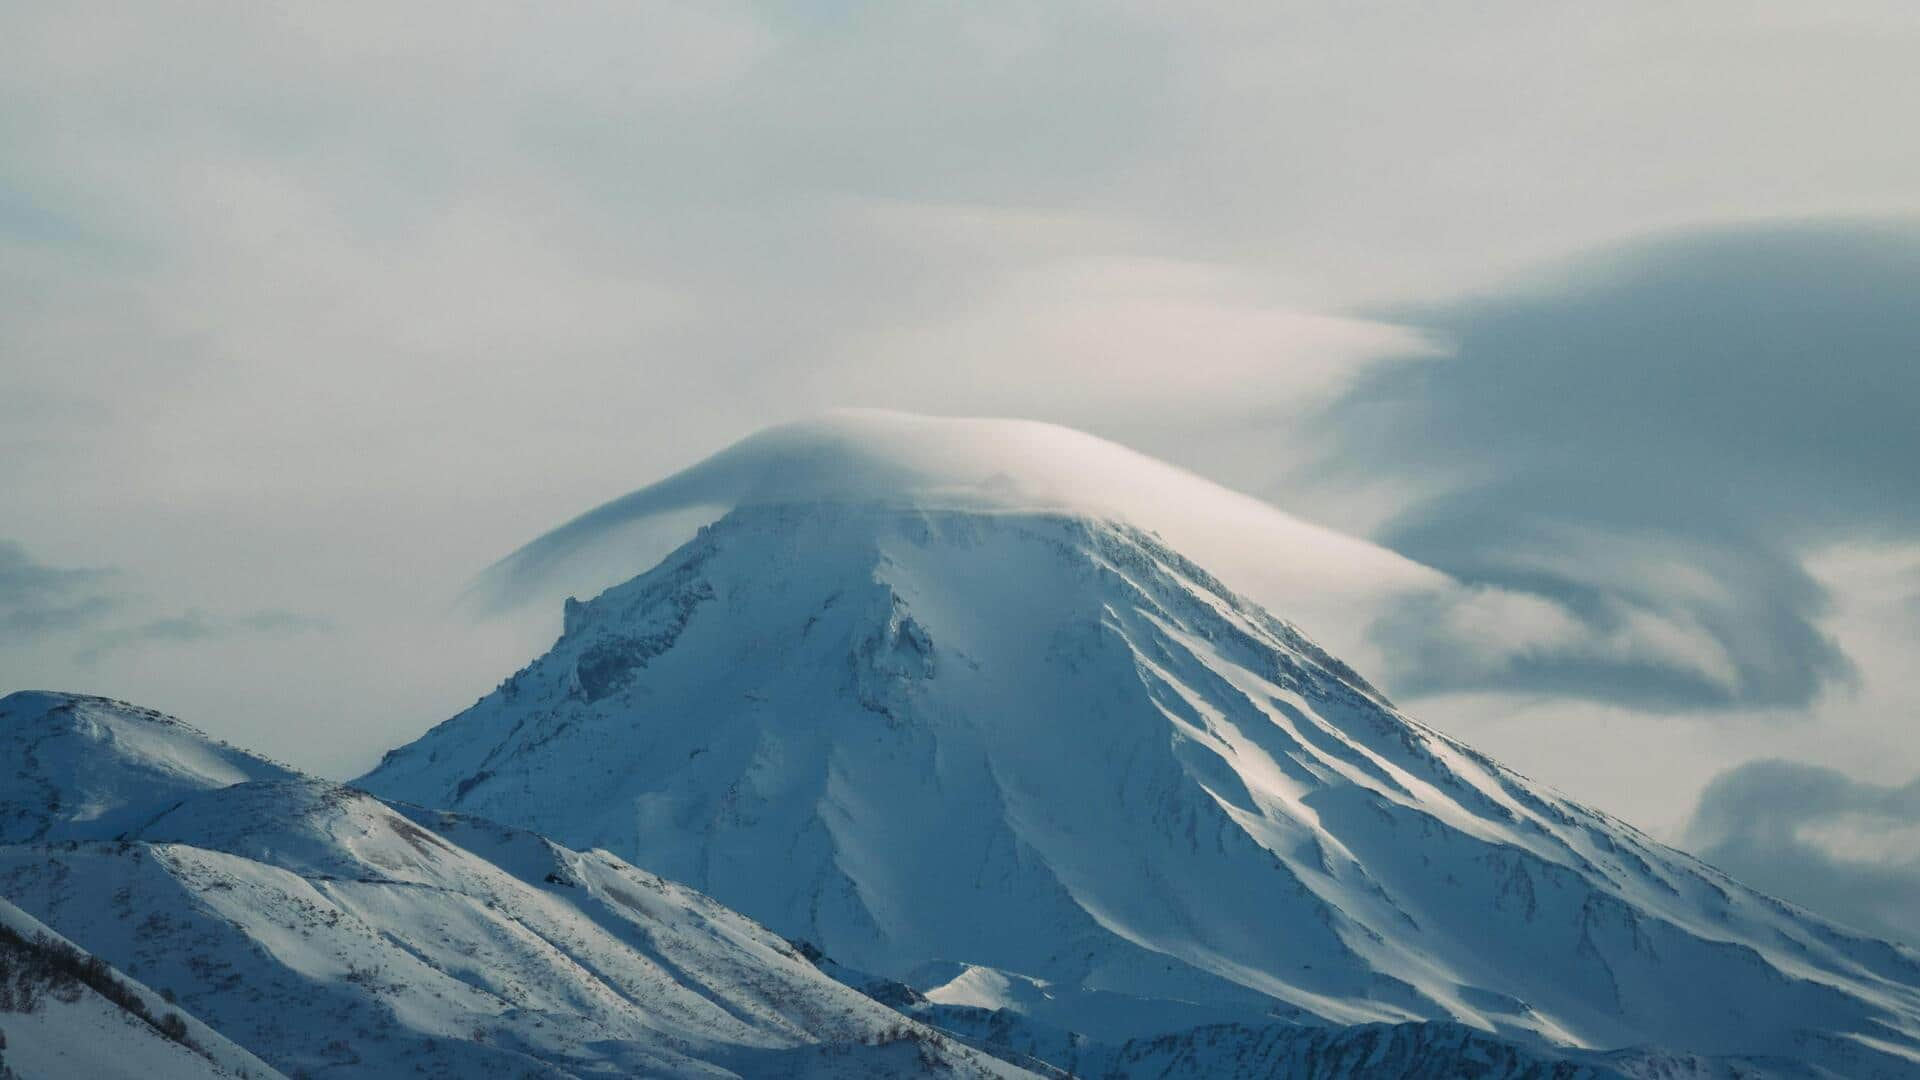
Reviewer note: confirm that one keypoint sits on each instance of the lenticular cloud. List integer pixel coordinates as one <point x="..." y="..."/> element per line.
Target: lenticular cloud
<point x="1328" y="582"/>
<point x="1362" y="600"/>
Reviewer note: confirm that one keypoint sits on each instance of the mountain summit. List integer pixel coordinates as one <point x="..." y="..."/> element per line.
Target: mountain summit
<point x="1326" y="579"/>
<point x="1033" y="759"/>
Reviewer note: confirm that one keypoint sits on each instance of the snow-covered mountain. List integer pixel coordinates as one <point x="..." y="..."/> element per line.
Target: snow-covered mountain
<point x="332" y="934"/>
<point x="999" y="783"/>
<point x="1335" y="583"/>
<point x="1035" y="761"/>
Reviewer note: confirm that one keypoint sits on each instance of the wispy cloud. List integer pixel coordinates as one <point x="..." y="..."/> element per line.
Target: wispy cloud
<point x="38" y="599"/>
<point x="198" y="626"/>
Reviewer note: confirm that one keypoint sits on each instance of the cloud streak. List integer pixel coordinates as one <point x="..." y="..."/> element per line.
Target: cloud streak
<point x="198" y="626"/>
<point x="37" y="599"/>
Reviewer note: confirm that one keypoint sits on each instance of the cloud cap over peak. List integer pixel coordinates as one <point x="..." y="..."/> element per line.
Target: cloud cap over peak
<point x="1326" y="580"/>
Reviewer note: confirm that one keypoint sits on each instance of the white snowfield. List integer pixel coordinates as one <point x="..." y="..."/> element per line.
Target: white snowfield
<point x="1037" y="761"/>
<point x="331" y="934"/>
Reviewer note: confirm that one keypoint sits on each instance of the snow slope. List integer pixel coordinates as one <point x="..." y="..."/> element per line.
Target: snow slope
<point x="333" y="934"/>
<point x="1040" y="762"/>
<point x="1410" y="1051"/>
<point x="76" y="1031"/>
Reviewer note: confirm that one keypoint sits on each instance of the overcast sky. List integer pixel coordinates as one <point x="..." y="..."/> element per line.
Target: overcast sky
<point x="310" y="312"/>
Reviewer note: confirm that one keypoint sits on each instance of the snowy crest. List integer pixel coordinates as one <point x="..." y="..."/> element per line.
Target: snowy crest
<point x="1332" y="582"/>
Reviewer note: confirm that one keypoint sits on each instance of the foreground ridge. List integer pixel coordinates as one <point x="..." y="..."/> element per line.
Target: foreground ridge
<point x="330" y="933"/>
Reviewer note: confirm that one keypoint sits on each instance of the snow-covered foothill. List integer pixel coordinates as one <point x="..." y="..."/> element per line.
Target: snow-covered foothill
<point x="333" y="934"/>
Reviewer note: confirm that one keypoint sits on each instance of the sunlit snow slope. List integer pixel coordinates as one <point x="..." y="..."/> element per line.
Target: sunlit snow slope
<point x="1037" y="760"/>
<point x="333" y="934"/>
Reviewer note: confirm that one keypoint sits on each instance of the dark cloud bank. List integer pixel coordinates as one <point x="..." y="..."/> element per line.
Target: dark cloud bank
<point x="1658" y="436"/>
<point x="37" y="599"/>
<point x="1847" y="849"/>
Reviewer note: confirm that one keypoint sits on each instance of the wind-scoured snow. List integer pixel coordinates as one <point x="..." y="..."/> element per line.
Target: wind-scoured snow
<point x="1038" y="762"/>
<point x="78" y="768"/>
<point x="333" y="934"/>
